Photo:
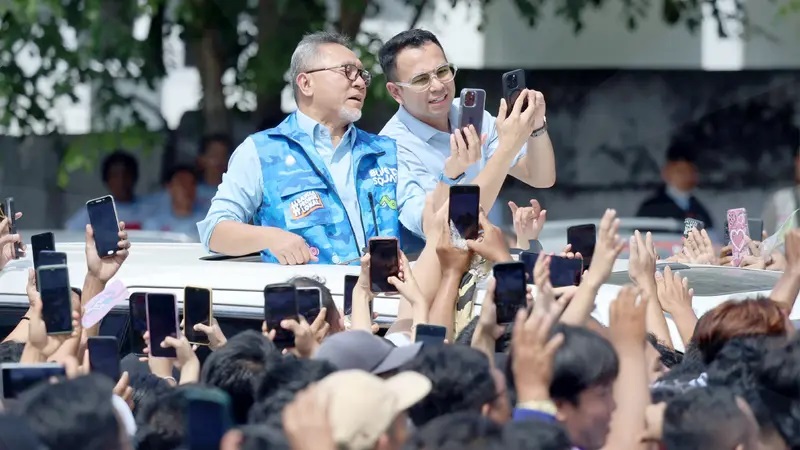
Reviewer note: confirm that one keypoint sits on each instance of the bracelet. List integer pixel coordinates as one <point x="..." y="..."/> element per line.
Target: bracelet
<point x="24" y="318"/>
<point x="170" y="379"/>
<point x="541" y="130"/>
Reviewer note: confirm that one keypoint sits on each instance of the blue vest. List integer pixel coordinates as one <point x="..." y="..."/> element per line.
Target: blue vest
<point x="299" y="194"/>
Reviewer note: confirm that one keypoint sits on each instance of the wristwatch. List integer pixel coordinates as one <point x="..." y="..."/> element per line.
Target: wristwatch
<point x="541" y="130"/>
<point x="450" y="181"/>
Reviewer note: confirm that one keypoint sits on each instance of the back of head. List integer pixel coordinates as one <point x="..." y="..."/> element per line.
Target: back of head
<point x="147" y="387"/>
<point x="462" y="381"/>
<point x="16" y="434"/>
<point x="75" y="413"/>
<point x="584" y="360"/>
<point x="11" y="352"/>
<point x="407" y="39"/>
<point x="237" y="369"/>
<point x="458" y="431"/>
<point x="704" y="419"/>
<point x="535" y="435"/>
<point x="332" y="312"/>
<point x="122" y="158"/>
<point x="778" y="378"/>
<point x="161" y="421"/>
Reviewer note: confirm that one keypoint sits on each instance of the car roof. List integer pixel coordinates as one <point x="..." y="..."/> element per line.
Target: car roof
<point x="133" y="236"/>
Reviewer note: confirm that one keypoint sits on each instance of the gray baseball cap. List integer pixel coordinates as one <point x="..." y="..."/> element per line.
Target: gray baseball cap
<point x="362" y="350"/>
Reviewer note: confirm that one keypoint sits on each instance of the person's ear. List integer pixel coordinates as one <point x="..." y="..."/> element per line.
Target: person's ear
<point x="394" y="91"/>
<point x="304" y="84"/>
<point x="486" y="409"/>
<point x="232" y="440"/>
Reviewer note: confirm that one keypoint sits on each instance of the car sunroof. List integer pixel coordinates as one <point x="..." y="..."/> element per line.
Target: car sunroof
<point x="711" y="281"/>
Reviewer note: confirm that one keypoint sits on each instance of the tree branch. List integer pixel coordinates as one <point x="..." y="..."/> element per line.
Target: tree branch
<point x="419" y="8"/>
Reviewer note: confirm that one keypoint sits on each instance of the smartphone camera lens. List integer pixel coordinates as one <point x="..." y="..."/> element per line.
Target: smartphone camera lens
<point x="469" y="98"/>
<point x="512" y="81"/>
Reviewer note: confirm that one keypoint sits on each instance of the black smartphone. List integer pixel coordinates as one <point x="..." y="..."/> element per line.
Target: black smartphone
<point x="207" y="417"/>
<point x="11" y="213"/>
<point x="137" y="312"/>
<point x="16" y="378"/>
<point x="309" y="303"/>
<point x="51" y="258"/>
<point x="162" y="322"/>
<point x="105" y="224"/>
<point x="756" y="228"/>
<point x="528" y="259"/>
<point x="350" y="282"/>
<point x="513" y="85"/>
<point x="583" y="238"/>
<point x="473" y="104"/>
<point x="563" y="271"/>
<point x="197" y="309"/>
<point x="280" y="302"/>
<point x="53" y="282"/>
<point x="104" y="356"/>
<point x="689" y="224"/>
<point x="430" y="335"/>
<point x="384" y="263"/>
<point x="465" y="202"/>
<point x="42" y="242"/>
<point x="510" y="290"/>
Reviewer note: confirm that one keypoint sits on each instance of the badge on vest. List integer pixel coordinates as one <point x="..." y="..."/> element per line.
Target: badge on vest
<point x="383" y="175"/>
<point x="304" y="205"/>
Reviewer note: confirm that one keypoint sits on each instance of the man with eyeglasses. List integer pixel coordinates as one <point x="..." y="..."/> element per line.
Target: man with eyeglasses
<point x="313" y="185"/>
<point x="433" y="154"/>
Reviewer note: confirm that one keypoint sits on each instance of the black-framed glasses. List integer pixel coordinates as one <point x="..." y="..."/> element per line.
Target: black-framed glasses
<point x="422" y="82"/>
<point x="351" y="71"/>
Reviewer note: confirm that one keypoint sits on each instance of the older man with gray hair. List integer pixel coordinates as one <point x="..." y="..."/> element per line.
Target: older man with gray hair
<point x="315" y="187"/>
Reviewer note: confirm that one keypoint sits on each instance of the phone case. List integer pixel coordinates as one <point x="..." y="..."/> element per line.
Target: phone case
<point x="739" y="232"/>
<point x="389" y="288"/>
<point x="103" y="253"/>
<point x="210" y="307"/>
<point x="513" y="84"/>
<point x="472" y="113"/>
<point x="689" y="224"/>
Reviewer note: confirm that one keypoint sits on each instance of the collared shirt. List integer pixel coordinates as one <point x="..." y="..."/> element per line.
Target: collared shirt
<point x="241" y="193"/>
<point x="682" y="199"/>
<point x="421" y="152"/>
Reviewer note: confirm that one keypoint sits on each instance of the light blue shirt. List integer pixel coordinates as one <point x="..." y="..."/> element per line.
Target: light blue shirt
<point x="421" y="152"/>
<point x="166" y="220"/>
<point x="240" y="194"/>
<point x="129" y="212"/>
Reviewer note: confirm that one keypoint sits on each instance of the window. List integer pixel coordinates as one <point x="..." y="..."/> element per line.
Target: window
<point x="10" y="316"/>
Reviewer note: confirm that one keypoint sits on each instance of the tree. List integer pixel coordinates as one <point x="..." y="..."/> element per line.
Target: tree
<point x="250" y="39"/>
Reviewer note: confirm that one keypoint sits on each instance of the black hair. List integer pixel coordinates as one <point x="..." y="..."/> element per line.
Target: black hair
<point x="147" y="387"/>
<point x="160" y="421"/>
<point x="669" y="357"/>
<point x="703" y="419"/>
<point x="460" y="430"/>
<point x="207" y="140"/>
<point x="259" y="437"/>
<point x="535" y="435"/>
<point x="11" y="351"/>
<point x="777" y="377"/>
<point x="176" y="169"/>
<point x="415" y="38"/>
<point x="501" y="344"/>
<point x="120" y="157"/>
<point x="332" y="312"/>
<point x="680" y="151"/>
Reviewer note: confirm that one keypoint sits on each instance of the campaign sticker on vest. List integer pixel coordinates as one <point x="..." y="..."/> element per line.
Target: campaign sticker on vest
<point x="382" y="176"/>
<point x="387" y="202"/>
<point x="305" y="204"/>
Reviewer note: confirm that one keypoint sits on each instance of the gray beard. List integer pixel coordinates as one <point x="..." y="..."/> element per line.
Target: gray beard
<point x="349" y="115"/>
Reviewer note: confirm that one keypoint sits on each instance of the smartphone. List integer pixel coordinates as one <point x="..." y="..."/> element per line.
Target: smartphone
<point x="513" y="85"/>
<point x="563" y="271"/>
<point x="430" y="335"/>
<point x="197" y="309"/>
<point x="384" y="263"/>
<point x="105" y="224"/>
<point x="689" y="224"/>
<point x="53" y="282"/>
<point x="465" y="202"/>
<point x="11" y="213"/>
<point x="726" y="233"/>
<point x="16" y="378"/>
<point x="756" y="229"/>
<point x="162" y="322"/>
<point x="104" y="356"/>
<point x="583" y="239"/>
<point x="473" y="104"/>
<point x="51" y="258"/>
<point x="280" y="302"/>
<point x="350" y="282"/>
<point x="137" y="312"/>
<point x="510" y="290"/>
<point x="42" y="242"/>
<point x="739" y="232"/>
<point x="309" y="303"/>
<point x="528" y="259"/>
<point x="208" y="416"/>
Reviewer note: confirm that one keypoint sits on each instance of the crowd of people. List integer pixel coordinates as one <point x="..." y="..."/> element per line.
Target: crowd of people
<point x="314" y="190"/>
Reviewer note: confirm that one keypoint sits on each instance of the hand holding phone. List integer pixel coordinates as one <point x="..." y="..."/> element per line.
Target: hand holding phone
<point x="17" y="250"/>
<point x="690" y="224"/>
<point x="104" y="356"/>
<point x="105" y="225"/>
<point x="280" y="303"/>
<point x="464" y="207"/>
<point x="137" y="314"/>
<point x="739" y="233"/>
<point x="430" y="335"/>
<point x="583" y="239"/>
<point x="510" y="290"/>
<point x="42" y="242"/>
<point x="473" y="105"/>
<point x="162" y="322"/>
<point x="56" y="296"/>
<point x="197" y="310"/>
<point x="309" y="303"/>
<point x="384" y="263"/>
<point x="513" y="85"/>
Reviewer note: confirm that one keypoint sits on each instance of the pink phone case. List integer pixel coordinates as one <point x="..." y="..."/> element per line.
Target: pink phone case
<point x="739" y="232"/>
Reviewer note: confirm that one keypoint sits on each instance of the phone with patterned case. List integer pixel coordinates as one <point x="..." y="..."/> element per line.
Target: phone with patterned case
<point x="689" y="224"/>
<point x="739" y="233"/>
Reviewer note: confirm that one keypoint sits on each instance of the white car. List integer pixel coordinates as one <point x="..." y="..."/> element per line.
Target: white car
<point x="238" y="284"/>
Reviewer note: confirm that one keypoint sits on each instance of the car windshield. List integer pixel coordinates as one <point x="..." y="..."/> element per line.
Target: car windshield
<point x="712" y="281"/>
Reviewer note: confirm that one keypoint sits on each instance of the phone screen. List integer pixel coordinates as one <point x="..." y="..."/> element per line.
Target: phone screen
<point x="280" y="302"/>
<point x="104" y="356"/>
<point x="207" y="421"/>
<point x="509" y="291"/>
<point x="464" y="205"/>
<point x="196" y="309"/>
<point x="309" y="303"/>
<point x="384" y="263"/>
<point x="430" y="335"/>
<point x="56" y="296"/>
<point x="528" y="259"/>
<point x="137" y="305"/>
<point x="50" y="258"/>
<point x="350" y="282"/>
<point x="563" y="271"/>
<point x="18" y="378"/>
<point x="103" y="217"/>
<point x="162" y="321"/>
<point x="583" y="239"/>
<point x="40" y="242"/>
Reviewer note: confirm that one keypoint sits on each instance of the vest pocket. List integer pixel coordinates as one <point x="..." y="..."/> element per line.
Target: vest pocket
<point x="305" y="207"/>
